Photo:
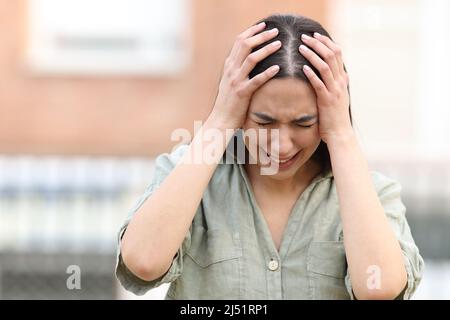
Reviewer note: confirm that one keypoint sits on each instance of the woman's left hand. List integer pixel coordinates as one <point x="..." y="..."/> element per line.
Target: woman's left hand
<point x="333" y="99"/>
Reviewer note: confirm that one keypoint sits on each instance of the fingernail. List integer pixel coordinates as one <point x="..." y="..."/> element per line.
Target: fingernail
<point x="276" y="43"/>
<point x="303" y="48"/>
<point x="274" y="30"/>
<point x="261" y="24"/>
<point x="305" y="37"/>
<point x="306" y="67"/>
<point x="317" y="35"/>
<point x="275" y="68"/>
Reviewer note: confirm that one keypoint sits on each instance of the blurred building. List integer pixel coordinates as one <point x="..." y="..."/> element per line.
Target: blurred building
<point x="90" y="92"/>
<point x="55" y="99"/>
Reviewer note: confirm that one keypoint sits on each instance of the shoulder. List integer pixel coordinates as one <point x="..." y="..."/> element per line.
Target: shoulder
<point x="379" y="180"/>
<point x="169" y="160"/>
<point x="384" y="184"/>
<point x="166" y="162"/>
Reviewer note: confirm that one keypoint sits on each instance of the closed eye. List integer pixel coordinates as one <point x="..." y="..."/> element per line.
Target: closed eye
<point x="303" y="126"/>
<point x="298" y="125"/>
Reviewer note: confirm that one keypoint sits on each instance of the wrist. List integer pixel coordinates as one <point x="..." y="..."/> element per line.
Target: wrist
<point x="342" y="138"/>
<point x="218" y="122"/>
<point x="215" y="127"/>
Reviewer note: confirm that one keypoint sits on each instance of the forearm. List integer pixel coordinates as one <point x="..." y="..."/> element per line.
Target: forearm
<point x="158" y="228"/>
<point x="368" y="238"/>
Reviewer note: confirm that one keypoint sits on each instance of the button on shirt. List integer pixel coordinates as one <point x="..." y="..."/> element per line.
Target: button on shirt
<point x="228" y="252"/>
<point x="273" y="265"/>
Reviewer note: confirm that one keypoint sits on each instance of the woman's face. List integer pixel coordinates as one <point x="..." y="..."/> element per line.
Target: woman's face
<point x="288" y="105"/>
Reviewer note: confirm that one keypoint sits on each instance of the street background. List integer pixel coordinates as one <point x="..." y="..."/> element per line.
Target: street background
<point x="90" y="92"/>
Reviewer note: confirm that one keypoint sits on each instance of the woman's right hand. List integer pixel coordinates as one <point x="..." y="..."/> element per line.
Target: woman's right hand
<point x="235" y="88"/>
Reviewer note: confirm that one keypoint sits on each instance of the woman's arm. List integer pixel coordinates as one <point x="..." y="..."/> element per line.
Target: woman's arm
<point x="370" y="243"/>
<point x="159" y="227"/>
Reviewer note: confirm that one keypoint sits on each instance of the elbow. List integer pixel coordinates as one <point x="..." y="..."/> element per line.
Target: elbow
<point x="377" y="294"/>
<point x="387" y="293"/>
<point x="142" y="271"/>
<point x="389" y="287"/>
<point x="140" y="266"/>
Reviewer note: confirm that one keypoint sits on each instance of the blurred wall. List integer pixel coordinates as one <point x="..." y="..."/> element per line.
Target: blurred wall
<point x="120" y="115"/>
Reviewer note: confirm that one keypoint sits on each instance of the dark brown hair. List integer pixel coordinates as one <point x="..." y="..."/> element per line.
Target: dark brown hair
<point x="288" y="57"/>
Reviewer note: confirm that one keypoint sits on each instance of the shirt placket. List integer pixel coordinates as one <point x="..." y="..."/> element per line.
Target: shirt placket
<point x="274" y="285"/>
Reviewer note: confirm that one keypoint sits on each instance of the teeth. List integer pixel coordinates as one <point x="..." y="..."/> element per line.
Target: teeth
<point x="279" y="161"/>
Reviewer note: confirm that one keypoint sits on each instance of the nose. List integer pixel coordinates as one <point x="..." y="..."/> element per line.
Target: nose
<point x="285" y="144"/>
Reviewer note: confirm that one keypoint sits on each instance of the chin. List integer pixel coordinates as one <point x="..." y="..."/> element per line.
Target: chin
<point x="290" y="172"/>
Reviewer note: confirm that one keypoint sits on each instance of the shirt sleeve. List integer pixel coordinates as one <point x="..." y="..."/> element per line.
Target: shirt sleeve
<point x="164" y="164"/>
<point x="389" y="193"/>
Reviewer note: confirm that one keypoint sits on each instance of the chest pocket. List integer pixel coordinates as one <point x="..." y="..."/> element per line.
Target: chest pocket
<point x="212" y="246"/>
<point x="327" y="268"/>
<point x="211" y="265"/>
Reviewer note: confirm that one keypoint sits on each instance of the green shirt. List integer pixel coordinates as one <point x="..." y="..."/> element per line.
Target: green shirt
<point x="228" y="252"/>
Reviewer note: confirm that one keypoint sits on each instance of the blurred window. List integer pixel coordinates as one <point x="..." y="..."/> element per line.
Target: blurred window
<point x="397" y="56"/>
<point x="90" y="37"/>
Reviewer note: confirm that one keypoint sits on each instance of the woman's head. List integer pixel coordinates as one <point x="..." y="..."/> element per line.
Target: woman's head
<point x="287" y="102"/>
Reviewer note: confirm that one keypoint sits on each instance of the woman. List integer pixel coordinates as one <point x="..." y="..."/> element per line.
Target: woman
<point x="322" y="226"/>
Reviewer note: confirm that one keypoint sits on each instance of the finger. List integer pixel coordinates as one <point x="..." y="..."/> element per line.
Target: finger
<point x="246" y="34"/>
<point x="333" y="47"/>
<point x="320" y="65"/>
<point x="246" y="46"/>
<point x="315" y="81"/>
<point x="257" y="56"/>
<point x="326" y="53"/>
<point x="256" y="82"/>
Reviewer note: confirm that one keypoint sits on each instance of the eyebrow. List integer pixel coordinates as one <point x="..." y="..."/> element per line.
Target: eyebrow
<point x="266" y="117"/>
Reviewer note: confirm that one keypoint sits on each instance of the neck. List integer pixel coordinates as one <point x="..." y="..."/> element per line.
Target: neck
<point x="299" y="181"/>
